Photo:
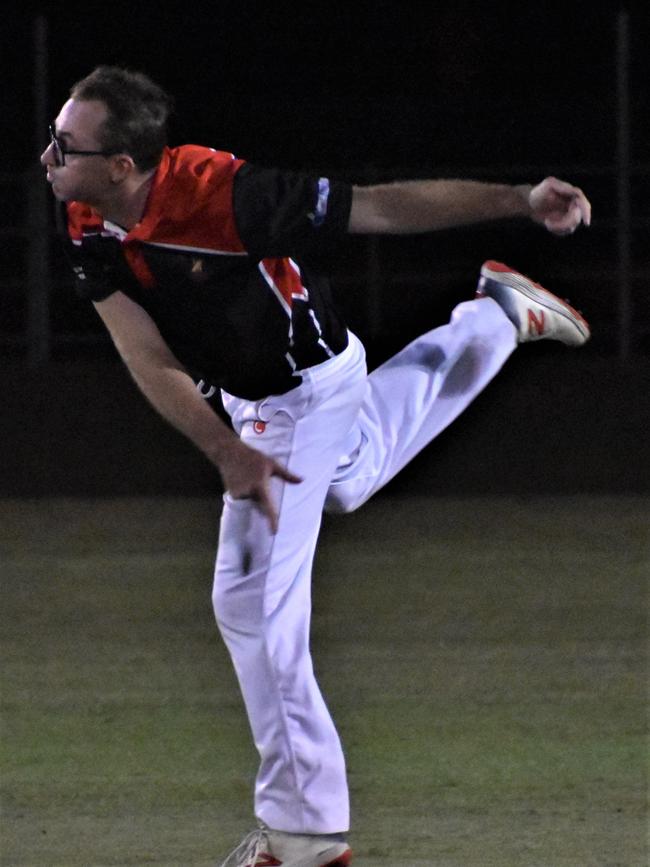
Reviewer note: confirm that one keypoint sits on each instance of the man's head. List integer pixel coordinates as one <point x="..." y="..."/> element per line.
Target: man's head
<point x="113" y="128"/>
<point x="137" y="112"/>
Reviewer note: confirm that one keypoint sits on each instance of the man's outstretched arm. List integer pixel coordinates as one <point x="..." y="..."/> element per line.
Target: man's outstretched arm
<point x="423" y="206"/>
<point x="167" y="386"/>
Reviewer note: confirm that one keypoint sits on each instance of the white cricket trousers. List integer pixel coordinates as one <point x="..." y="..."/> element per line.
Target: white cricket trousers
<point x="345" y="434"/>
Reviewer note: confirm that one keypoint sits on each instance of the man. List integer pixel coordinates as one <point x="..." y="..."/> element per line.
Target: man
<point x="204" y="267"/>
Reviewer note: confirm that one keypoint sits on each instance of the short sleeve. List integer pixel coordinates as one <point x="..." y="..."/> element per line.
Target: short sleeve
<point x="283" y="213"/>
<point x="97" y="263"/>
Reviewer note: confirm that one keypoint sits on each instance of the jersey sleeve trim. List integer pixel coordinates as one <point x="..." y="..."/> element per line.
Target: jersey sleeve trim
<point x="284" y="213"/>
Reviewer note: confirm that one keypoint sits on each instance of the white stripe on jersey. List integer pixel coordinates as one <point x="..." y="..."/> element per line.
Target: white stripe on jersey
<point x="283" y="301"/>
<point x="303" y="295"/>
<point x="202" y="250"/>
<point x="321" y="342"/>
<point x="299" y="296"/>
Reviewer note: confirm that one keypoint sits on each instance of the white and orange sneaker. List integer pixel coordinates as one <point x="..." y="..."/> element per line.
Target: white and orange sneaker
<point x="267" y="848"/>
<point x="535" y="312"/>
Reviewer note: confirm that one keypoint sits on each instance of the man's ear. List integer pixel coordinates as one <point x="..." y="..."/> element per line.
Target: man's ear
<point x="121" y="166"/>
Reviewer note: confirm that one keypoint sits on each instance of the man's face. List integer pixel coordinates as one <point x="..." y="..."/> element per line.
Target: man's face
<point x="83" y="178"/>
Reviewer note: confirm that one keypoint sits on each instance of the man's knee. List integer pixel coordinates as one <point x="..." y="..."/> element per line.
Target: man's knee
<point x="343" y="498"/>
<point x="237" y="604"/>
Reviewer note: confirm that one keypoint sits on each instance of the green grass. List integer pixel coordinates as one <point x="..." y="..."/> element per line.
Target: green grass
<point x="485" y="661"/>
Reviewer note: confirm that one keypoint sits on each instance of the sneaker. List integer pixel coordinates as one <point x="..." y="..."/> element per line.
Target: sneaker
<point x="535" y="312"/>
<point x="267" y="848"/>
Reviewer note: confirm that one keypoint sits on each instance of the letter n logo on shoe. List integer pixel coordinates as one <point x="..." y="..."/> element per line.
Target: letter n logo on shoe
<point x="536" y="323"/>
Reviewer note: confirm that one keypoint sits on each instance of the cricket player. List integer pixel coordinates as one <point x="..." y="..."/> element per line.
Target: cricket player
<point x="207" y="269"/>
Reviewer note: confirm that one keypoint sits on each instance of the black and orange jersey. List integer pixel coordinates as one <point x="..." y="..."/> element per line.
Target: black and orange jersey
<point x="227" y="260"/>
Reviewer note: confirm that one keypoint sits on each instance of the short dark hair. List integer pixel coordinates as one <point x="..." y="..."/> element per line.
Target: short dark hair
<point x="137" y="112"/>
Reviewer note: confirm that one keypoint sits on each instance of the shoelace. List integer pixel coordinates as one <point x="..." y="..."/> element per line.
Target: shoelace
<point x="245" y="855"/>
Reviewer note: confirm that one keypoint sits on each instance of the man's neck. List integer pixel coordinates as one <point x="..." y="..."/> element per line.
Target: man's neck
<point x="127" y="207"/>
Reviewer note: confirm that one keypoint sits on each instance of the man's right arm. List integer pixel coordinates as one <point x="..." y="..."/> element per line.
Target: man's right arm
<point x="171" y="391"/>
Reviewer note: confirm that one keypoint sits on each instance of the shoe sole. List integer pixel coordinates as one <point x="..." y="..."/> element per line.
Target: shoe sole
<point x="496" y="272"/>
<point x="342" y="860"/>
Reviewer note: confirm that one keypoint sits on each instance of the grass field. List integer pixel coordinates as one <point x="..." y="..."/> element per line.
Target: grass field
<point x="485" y="661"/>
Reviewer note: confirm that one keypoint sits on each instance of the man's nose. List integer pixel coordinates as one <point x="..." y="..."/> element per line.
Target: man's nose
<point x="47" y="157"/>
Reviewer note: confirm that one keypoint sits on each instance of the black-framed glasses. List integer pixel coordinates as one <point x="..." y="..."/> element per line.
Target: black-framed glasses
<point x="60" y="151"/>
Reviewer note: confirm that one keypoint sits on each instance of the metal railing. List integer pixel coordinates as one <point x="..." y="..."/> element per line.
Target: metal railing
<point x="33" y="321"/>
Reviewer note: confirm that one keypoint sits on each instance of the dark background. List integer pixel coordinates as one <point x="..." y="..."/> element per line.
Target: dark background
<point x="365" y="91"/>
<point x="345" y="85"/>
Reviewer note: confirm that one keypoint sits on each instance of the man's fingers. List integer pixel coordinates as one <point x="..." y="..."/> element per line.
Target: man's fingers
<point x="265" y="500"/>
<point x="283" y="473"/>
<point x="584" y="206"/>
<point x="267" y="508"/>
<point x="566" y="224"/>
<point x="264" y="497"/>
<point x="253" y="482"/>
<point x="554" y="195"/>
<point x="564" y="188"/>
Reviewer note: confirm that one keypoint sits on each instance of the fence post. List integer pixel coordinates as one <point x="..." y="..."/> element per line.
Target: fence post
<point x="374" y="280"/>
<point x="624" y="222"/>
<point x="38" y="224"/>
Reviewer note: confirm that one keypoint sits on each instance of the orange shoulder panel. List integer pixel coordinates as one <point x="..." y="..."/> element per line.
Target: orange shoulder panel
<point x="190" y="204"/>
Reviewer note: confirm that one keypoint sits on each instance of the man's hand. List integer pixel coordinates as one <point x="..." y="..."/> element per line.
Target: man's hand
<point x="246" y="474"/>
<point x="169" y="388"/>
<point x="559" y="206"/>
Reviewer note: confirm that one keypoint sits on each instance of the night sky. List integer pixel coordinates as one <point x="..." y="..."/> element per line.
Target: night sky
<point x="351" y="85"/>
<point x="376" y="91"/>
